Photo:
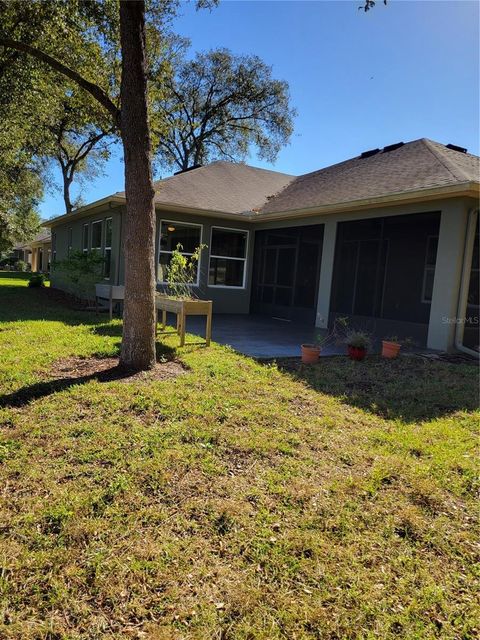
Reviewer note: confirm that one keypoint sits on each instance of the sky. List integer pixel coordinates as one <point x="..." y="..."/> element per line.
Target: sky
<point x="358" y="80"/>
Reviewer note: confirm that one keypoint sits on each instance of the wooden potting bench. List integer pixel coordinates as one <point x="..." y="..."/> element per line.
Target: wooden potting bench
<point x="182" y="309"/>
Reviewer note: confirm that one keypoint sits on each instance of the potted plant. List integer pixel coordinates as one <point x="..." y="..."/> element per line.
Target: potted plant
<point x="358" y="343"/>
<point x="391" y="347"/>
<point x="180" y="297"/>
<point x="311" y="351"/>
<point x="36" y="280"/>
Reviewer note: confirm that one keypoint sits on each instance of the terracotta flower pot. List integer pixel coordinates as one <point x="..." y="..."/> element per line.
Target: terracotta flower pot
<point x="356" y="353"/>
<point x="310" y="353"/>
<point x="390" y="349"/>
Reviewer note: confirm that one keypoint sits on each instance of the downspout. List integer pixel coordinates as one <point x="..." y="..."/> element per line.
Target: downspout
<point x="465" y="283"/>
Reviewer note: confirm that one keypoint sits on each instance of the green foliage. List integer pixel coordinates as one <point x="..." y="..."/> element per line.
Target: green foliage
<point x="181" y="273"/>
<point x="36" y="280"/>
<point x="79" y="272"/>
<point x="20" y="192"/>
<point x="21" y="265"/>
<point x="51" y="119"/>
<point x="218" y="106"/>
<point x="358" y="339"/>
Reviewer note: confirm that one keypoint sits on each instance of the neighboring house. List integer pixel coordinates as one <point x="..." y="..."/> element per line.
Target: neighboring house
<point x="37" y="252"/>
<point x="386" y="237"/>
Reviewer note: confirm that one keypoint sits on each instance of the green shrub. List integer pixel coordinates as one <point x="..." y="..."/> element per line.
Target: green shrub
<point x="37" y="280"/>
<point x="20" y="265"/>
<point x="80" y="272"/>
<point x="181" y="273"/>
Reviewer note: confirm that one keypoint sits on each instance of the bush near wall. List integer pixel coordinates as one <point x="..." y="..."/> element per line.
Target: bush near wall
<point x="79" y="273"/>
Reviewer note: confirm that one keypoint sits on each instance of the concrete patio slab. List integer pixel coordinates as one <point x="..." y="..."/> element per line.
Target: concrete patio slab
<point x="264" y="337"/>
<point x="259" y="336"/>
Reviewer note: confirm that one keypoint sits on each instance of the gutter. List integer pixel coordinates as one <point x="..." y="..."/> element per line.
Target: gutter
<point x="84" y="211"/>
<point x="466" y="189"/>
<point x="465" y="284"/>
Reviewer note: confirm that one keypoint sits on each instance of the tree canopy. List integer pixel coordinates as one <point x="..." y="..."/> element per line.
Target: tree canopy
<point x="220" y="106"/>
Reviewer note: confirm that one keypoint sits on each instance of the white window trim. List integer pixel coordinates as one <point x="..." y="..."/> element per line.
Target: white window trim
<point x="244" y="260"/>
<point x="105" y="246"/>
<point x="70" y="239"/>
<point x="54" y="246"/>
<point x="85" y="248"/>
<point x="101" y="235"/>
<point x="187" y="253"/>
<point x="427" y="268"/>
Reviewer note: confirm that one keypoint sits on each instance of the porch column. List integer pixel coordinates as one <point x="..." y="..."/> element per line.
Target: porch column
<point x="34" y="260"/>
<point x="326" y="274"/>
<point x="44" y="258"/>
<point x="448" y="272"/>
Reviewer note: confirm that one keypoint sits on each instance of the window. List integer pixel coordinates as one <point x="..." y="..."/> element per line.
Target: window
<point x="228" y="257"/>
<point x="107" y="251"/>
<point x="70" y="240"/>
<point x="174" y="233"/>
<point x="85" y="238"/>
<point x="429" y="269"/>
<point x="54" y="246"/>
<point x="97" y="235"/>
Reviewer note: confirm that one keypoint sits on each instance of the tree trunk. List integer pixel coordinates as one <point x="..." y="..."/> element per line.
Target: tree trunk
<point x="138" y="343"/>
<point x="67" y="182"/>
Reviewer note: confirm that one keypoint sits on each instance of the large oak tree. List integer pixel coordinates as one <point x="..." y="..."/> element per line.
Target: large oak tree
<point x="71" y="39"/>
<point x="220" y="106"/>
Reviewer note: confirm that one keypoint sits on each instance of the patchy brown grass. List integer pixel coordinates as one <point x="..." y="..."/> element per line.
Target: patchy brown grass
<point x="108" y="369"/>
<point x="237" y="501"/>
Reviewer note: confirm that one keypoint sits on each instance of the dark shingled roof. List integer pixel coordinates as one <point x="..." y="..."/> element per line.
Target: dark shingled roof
<point x="421" y="164"/>
<point x="44" y="235"/>
<point x="228" y="187"/>
<point x="239" y="189"/>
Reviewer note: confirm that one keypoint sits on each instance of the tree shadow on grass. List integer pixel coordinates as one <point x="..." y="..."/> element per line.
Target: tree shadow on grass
<point x="25" y="395"/>
<point x="44" y="303"/>
<point x="85" y="370"/>
<point x="410" y="389"/>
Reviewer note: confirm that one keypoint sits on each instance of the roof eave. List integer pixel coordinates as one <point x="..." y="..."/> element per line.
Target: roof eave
<point x="467" y="189"/>
<point x="214" y="213"/>
<point x="86" y="210"/>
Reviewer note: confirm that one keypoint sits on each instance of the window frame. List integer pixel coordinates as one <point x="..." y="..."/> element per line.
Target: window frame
<point x="100" y="248"/>
<point x="86" y="225"/>
<point x="108" y="247"/>
<point x="54" y="246"/>
<point x="69" y="240"/>
<point x="428" y="268"/>
<point x="244" y="260"/>
<point x="187" y="253"/>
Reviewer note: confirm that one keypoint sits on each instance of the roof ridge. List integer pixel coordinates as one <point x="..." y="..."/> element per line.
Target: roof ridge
<point x="225" y="162"/>
<point x="450" y="166"/>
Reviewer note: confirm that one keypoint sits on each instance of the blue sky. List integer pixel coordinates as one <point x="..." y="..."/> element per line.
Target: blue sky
<point x="358" y="81"/>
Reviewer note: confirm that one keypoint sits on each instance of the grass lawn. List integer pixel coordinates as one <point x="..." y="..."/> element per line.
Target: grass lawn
<point x="235" y="501"/>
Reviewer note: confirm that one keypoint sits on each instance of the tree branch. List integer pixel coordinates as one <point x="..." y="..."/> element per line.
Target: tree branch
<point x="93" y="89"/>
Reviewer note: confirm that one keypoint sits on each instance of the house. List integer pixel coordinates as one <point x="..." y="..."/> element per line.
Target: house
<point x="38" y="251"/>
<point x="387" y="237"/>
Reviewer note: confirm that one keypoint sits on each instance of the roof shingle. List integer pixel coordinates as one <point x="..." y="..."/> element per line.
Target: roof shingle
<point x="228" y="187"/>
<point x="421" y="164"/>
